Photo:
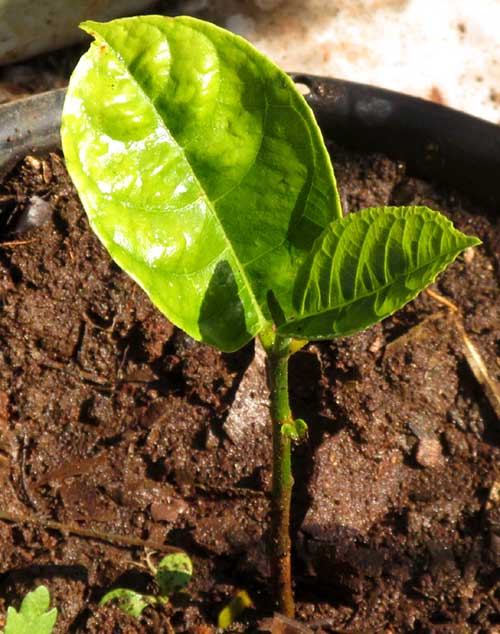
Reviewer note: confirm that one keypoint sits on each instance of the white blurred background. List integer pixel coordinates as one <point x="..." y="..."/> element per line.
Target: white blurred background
<point x="443" y="50"/>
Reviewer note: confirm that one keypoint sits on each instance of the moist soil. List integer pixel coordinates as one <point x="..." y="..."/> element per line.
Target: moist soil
<point x="114" y="421"/>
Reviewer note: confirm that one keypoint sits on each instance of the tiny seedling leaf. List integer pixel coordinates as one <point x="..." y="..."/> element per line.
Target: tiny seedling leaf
<point x="173" y="573"/>
<point x="201" y="168"/>
<point x="129" y="601"/>
<point x="296" y="431"/>
<point x="229" y="613"/>
<point x="367" y="265"/>
<point x="34" y="615"/>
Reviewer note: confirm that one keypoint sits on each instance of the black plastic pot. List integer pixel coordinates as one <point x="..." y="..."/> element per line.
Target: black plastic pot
<point x="433" y="140"/>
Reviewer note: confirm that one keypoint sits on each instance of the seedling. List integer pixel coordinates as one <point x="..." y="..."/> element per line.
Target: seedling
<point x="34" y="616"/>
<point x="172" y="574"/>
<point x="204" y="174"/>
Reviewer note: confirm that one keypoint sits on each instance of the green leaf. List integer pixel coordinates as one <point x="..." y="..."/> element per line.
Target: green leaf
<point x="201" y="169"/>
<point x="34" y="615"/>
<point x="173" y="573"/>
<point x="129" y="601"/>
<point x="229" y="613"/>
<point x="368" y="265"/>
<point x="296" y="430"/>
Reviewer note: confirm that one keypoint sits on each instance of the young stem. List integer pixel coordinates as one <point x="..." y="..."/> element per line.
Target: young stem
<point x="282" y="476"/>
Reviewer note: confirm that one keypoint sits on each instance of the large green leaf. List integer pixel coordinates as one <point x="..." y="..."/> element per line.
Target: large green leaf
<point x="201" y="169"/>
<point x="368" y="265"/>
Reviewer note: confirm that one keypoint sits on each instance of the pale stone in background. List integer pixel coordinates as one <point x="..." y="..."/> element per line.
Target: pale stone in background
<point x="29" y="27"/>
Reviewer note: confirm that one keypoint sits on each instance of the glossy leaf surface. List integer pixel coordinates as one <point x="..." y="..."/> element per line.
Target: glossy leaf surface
<point x="201" y="169"/>
<point x="368" y="265"/>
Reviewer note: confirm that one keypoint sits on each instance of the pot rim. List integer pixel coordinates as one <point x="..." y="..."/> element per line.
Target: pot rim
<point x="435" y="141"/>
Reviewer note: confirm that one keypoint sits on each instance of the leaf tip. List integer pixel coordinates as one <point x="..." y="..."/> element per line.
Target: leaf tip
<point x="89" y="26"/>
<point x="473" y="241"/>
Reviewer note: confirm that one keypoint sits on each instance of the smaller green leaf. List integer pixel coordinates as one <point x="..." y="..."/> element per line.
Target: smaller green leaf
<point x="174" y="572"/>
<point x="33" y="616"/>
<point x="229" y="614"/>
<point x="366" y="266"/>
<point x="296" y="431"/>
<point x="129" y="601"/>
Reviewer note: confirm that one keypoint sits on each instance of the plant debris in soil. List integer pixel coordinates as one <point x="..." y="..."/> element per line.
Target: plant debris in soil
<point x="116" y="426"/>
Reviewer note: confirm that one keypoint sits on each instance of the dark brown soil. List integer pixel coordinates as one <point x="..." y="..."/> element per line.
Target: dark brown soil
<point x="113" y="420"/>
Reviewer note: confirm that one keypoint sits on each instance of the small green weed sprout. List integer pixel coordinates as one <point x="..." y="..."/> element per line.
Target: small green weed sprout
<point x="172" y="574"/>
<point x="34" y="616"/>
